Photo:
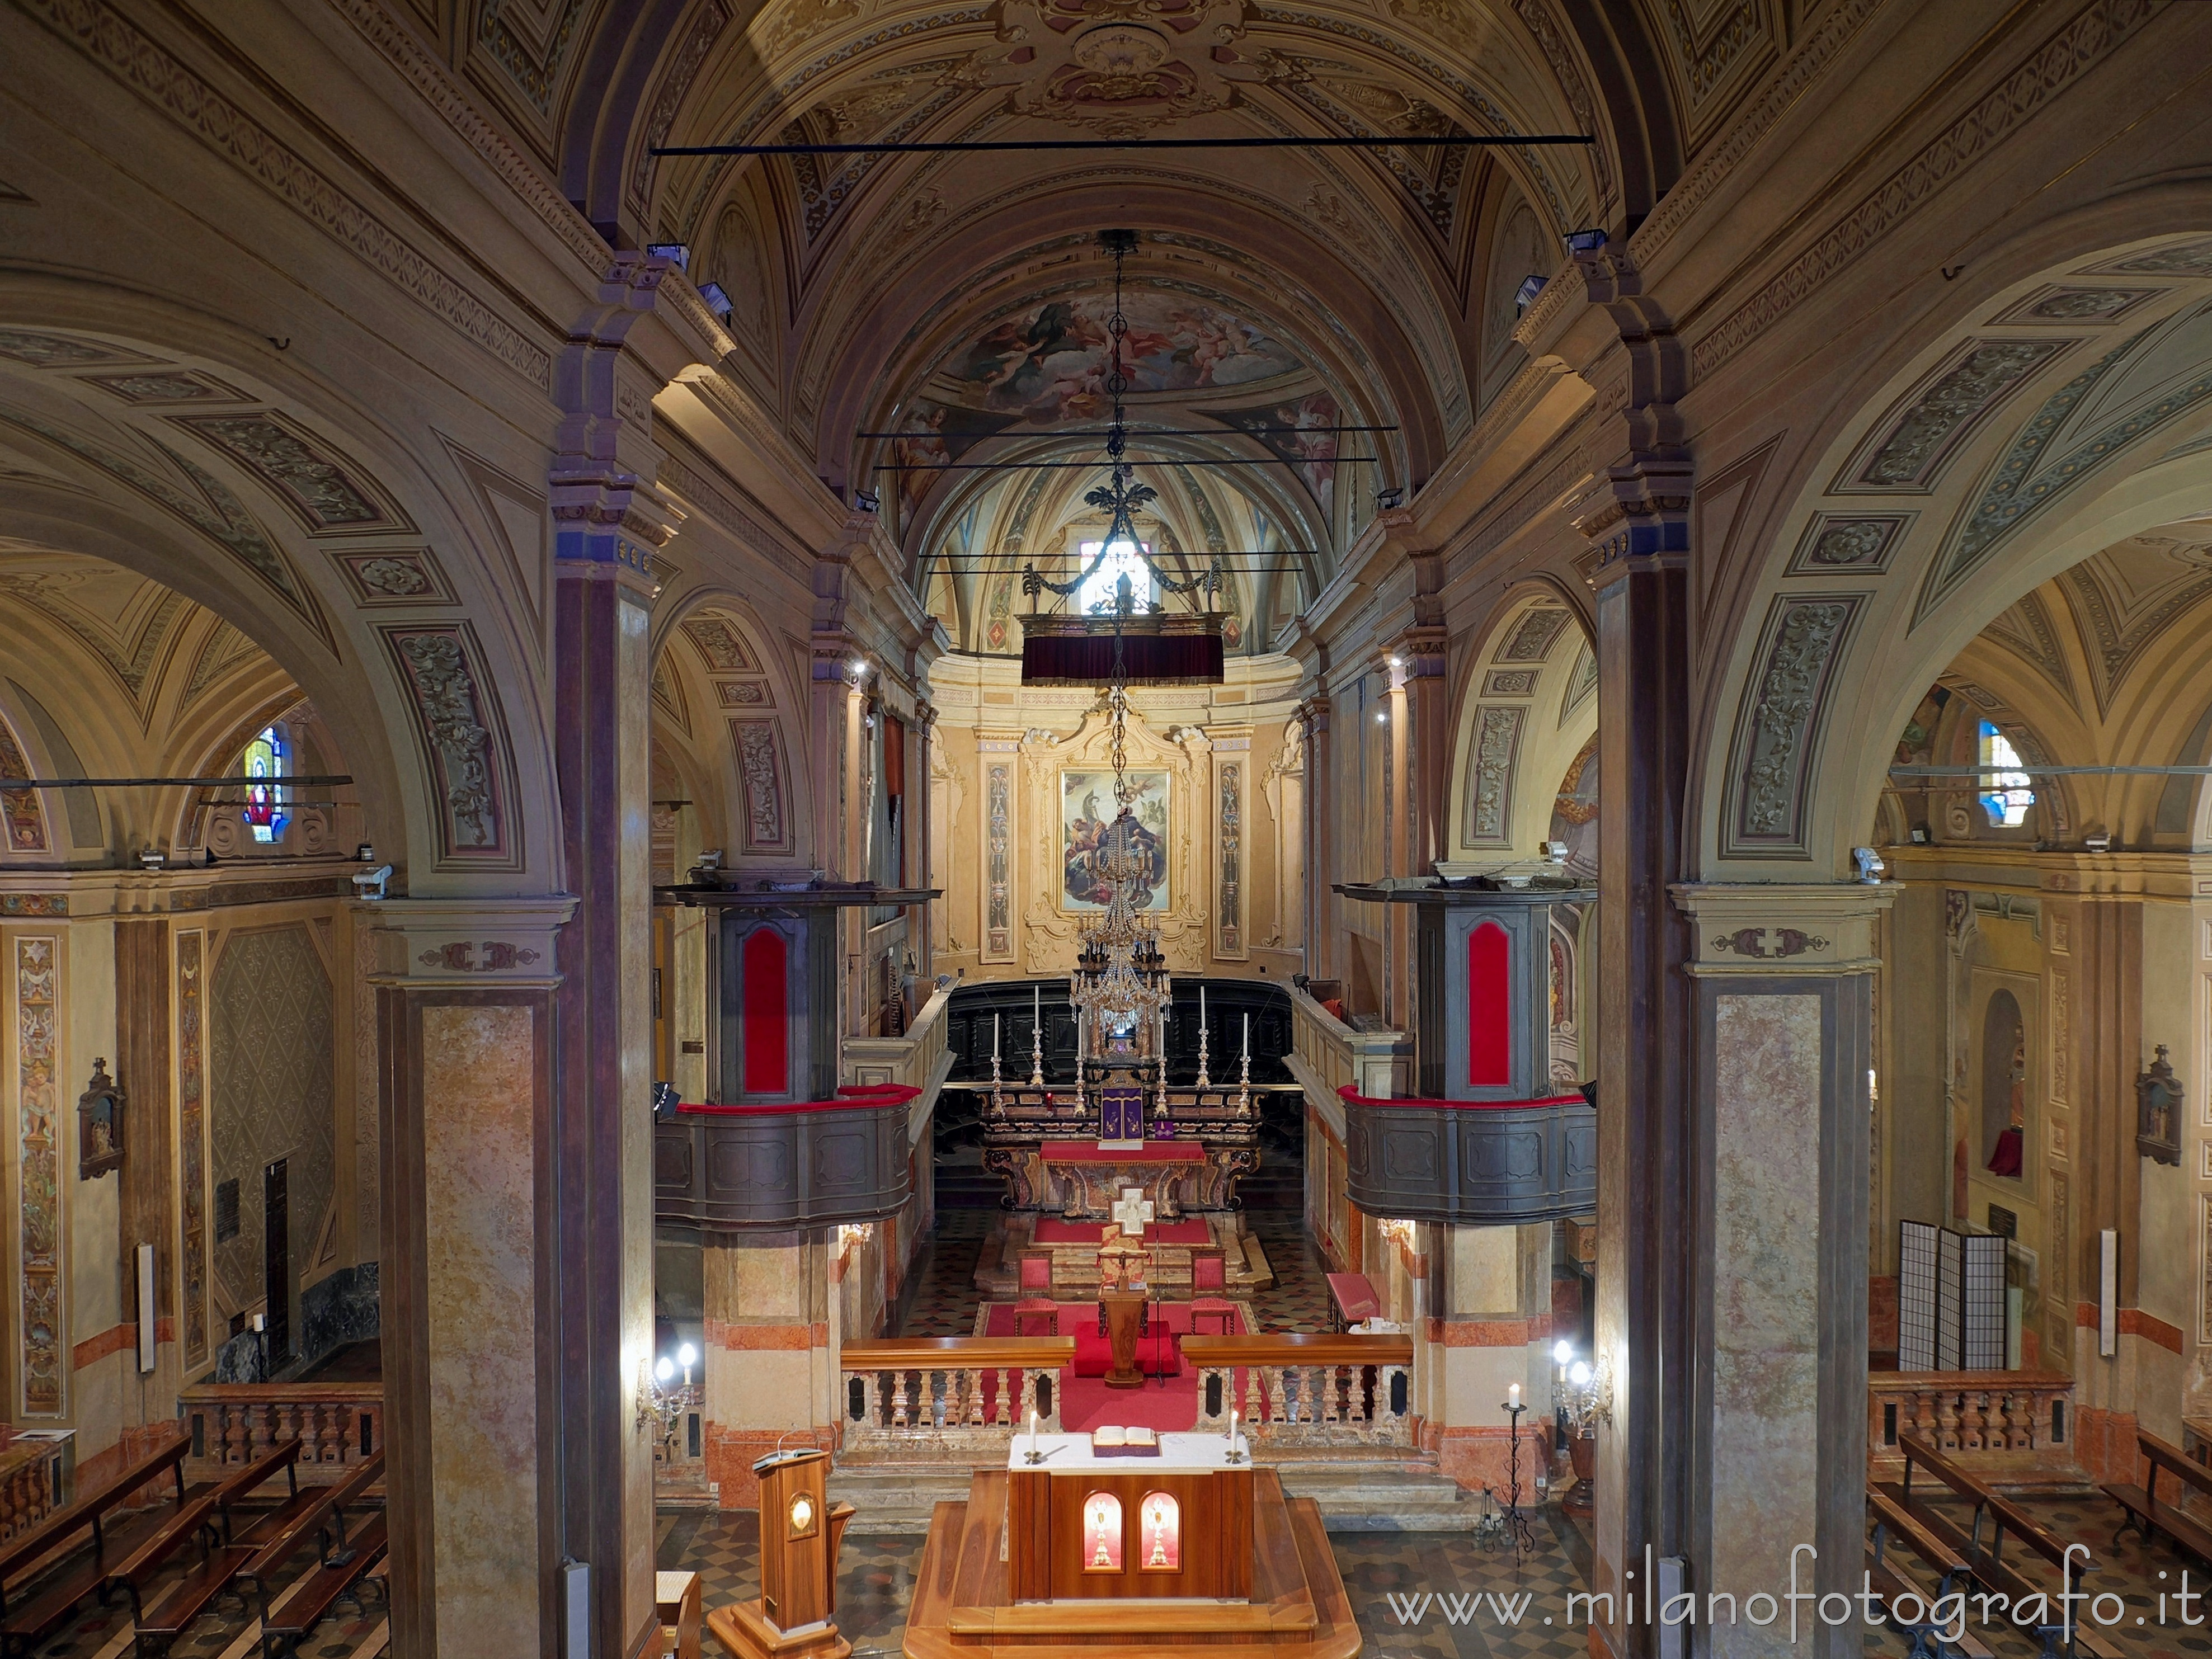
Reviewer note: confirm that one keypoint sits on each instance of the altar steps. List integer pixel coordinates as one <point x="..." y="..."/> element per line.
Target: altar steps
<point x="1365" y="1489"/>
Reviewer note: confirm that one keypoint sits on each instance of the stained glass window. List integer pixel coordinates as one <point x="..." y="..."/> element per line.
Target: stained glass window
<point x="1122" y="559"/>
<point x="267" y="756"/>
<point x="2006" y="793"/>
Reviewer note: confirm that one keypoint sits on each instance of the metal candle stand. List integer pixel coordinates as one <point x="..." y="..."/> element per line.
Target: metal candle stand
<point x="1517" y="1523"/>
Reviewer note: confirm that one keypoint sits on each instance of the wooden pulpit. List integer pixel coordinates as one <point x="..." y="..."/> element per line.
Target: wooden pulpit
<point x="800" y="1534"/>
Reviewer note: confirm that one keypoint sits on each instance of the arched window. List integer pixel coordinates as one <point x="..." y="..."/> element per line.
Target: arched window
<point x="2006" y="793"/>
<point x="1122" y="559"/>
<point x="268" y="756"/>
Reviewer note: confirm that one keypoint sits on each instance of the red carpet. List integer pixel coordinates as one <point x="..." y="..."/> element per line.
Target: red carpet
<point x="1093" y="1353"/>
<point x="1053" y="1230"/>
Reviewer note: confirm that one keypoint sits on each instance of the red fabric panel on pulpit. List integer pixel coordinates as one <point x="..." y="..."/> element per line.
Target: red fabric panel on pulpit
<point x="1489" y="1008"/>
<point x="767" y="1007"/>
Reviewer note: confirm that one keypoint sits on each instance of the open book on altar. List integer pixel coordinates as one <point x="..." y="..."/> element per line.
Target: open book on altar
<point x="1108" y="1441"/>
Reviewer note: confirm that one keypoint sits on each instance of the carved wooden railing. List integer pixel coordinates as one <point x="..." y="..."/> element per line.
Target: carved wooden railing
<point x="1293" y="1389"/>
<point x="338" y="1424"/>
<point x="1326" y="1056"/>
<point x="937" y="1395"/>
<point x="2028" y="1416"/>
<point x="32" y="1484"/>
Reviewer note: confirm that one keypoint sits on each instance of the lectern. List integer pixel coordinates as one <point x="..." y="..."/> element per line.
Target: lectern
<point x="800" y="1535"/>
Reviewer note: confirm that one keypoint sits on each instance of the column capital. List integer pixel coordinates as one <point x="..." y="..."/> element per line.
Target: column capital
<point x="1420" y="653"/>
<point x="1639" y="509"/>
<point x="470" y="944"/>
<point x="1783" y="928"/>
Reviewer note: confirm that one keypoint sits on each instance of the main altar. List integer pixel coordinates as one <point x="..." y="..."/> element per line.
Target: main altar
<point x="1126" y="1124"/>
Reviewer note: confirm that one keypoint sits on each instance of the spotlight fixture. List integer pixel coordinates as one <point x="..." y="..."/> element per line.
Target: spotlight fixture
<point x="859" y="669"/>
<point x="866" y="501"/>
<point x="2099" y="843"/>
<point x="150" y="860"/>
<point x="1869" y="864"/>
<point x="1382" y="717"/>
<point x="1396" y="660"/>
<point x="717" y="301"/>
<point x="364" y="853"/>
<point x="1555" y="852"/>
<point x="1525" y="296"/>
<point x="1390" y="501"/>
<point x="1580" y="242"/>
<point x="677" y="253"/>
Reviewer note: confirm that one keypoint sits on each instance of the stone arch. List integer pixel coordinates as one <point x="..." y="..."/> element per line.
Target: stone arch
<point x="743" y="737"/>
<point x="157" y="443"/>
<point x="1527" y="707"/>
<point x="2040" y="420"/>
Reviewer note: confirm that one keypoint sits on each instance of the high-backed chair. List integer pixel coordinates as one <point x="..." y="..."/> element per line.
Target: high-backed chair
<point x="1208" y="1280"/>
<point x="1035" y="1298"/>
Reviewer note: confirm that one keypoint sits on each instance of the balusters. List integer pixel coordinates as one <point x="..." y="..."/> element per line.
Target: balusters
<point x="1946" y="1421"/>
<point x="1971" y="1403"/>
<point x="1272" y="1377"/>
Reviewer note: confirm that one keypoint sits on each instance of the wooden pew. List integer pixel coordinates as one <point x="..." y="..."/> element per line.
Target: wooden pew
<point x="341" y="1560"/>
<point x="1996" y="1518"/>
<point x="207" y="1518"/>
<point x="2147" y="1515"/>
<point x="28" y="1615"/>
<point x="1893" y="1524"/>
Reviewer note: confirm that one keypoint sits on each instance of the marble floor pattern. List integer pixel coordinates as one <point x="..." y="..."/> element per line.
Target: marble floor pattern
<point x="1442" y="1595"/>
<point x="875" y="1582"/>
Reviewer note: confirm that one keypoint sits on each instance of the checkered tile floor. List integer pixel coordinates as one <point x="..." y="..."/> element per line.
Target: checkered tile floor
<point x="944" y="1298"/>
<point x="1299" y="1300"/>
<point x="875" y="1585"/>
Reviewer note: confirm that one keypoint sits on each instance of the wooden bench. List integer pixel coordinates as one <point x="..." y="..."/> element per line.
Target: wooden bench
<point x="1893" y="1525"/>
<point x="340" y="1561"/>
<point x="2147" y="1515"/>
<point x="27" y="1616"/>
<point x="1995" y="1519"/>
<point x="208" y="1518"/>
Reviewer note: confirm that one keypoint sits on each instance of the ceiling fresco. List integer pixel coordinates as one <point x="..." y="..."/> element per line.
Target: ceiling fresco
<point x="1049" y="362"/>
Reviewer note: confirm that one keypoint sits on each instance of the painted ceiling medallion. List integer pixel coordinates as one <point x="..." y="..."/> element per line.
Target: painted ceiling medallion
<point x="1121" y="67"/>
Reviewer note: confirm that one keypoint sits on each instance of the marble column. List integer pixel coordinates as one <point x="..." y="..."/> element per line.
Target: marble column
<point x="1321" y="793"/>
<point x="147" y="1193"/>
<point x="472" y="1276"/>
<point x="769" y="1364"/>
<point x="2108" y="1051"/>
<point x="1647" y="1200"/>
<point x="1773" y="1448"/>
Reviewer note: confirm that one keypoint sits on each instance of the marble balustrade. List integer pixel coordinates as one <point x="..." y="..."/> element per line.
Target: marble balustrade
<point x="934" y="1395"/>
<point x="1306" y="1391"/>
<point x="2015" y="1417"/>
<point x="339" y="1424"/>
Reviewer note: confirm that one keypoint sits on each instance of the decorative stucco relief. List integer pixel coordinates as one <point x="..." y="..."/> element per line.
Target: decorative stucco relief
<point x="1782" y="729"/>
<point x="38" y="1164"/>
<point x="458" y="726"/>
<point x="1493" y="746"/>
<point x="767" y="823"/>
<point x="191" y="1142"/>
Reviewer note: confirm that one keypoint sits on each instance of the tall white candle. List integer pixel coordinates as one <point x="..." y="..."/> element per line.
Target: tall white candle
<point x="994" y="1036"/>
<point x="1201" y="1005"/>
<point x="1232" y="1428"/>
<point x="1512" y="1395"/>
<point x="1033" y="1445"/>
<point x="1248" y="1036"/>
